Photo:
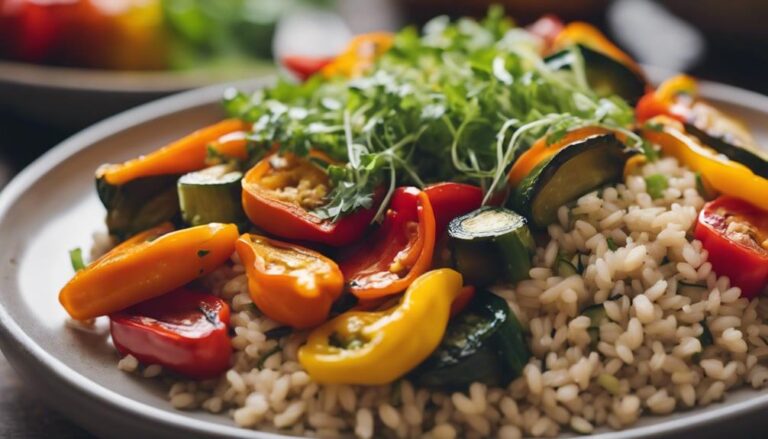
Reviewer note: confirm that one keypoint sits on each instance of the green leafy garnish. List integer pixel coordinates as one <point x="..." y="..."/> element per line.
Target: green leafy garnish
<point x="649" y="151"/>
<point x="459" y="102"/>
<point x="202" y="253"/>
<point x="265" y="356"/>
<point x="76" y="259"/>
<point x="656" y="184"/>
<point x="611" y="244"/>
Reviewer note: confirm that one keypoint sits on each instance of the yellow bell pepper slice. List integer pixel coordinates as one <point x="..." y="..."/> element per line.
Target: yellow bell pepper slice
<point x="373" y="348"/>
<point x="725" y="176"/>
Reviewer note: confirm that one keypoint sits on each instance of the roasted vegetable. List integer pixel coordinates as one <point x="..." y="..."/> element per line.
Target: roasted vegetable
<point x="722" y="174"/>
<point x="450" y="199"/>
<point x="678" y="98"/>
<point x="184" y="331"/>
<point x="139" y="204"/>
<point x="289" y="283"/>
<point x="373" y="348"/>
<point x="735" y="234"/>
<point x="280" y="194"/>
<point x="141" y="193"/>
<point x="572" y="171"/>
<point x="597" y="316"/>
<point x="605" y="75"/>
<point x="148" y="265"/>
<point x="212" y="195"/>
<point x="491" y="244"/>
<point x="485" y="344"/>
<point x="398" y="252"/>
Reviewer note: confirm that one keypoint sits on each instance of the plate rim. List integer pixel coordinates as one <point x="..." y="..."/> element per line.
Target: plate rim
<point x="16" y="343"/>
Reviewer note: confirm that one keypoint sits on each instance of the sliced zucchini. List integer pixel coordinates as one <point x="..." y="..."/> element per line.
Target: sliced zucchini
<point x="485" y="343"/>
<point x="212" y="195"/>
<point x="726" y="136"/>
<point x="138" y="205"/>
<point x="572" y="172"/>
<point x="597" y="316"/>
<point x="605" y="75"/>
<point x="491" y="244"/>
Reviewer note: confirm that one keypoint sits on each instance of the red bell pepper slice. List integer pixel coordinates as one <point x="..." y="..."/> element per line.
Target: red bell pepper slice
<point x="184" y="331"/>
<point x="735" y="233"/>
<point x="288" y="219"/>
<point x="450" y="200"/>
<point x="305" y="66"/>
<point x="398" y="252"/>
<point x="462" y="300"/>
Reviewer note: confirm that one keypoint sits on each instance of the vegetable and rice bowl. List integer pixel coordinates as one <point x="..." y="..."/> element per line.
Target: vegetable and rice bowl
<point x="607" y="266"/>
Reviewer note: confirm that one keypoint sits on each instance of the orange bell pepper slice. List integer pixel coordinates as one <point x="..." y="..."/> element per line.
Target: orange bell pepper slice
<point x="147" y="265"/>
<point x="541" y="151"/>
<point x="359" y="55"/>
<point x="585" y="34"/>
<point x="187" y="154"/>
<point x="400" y="251"/>
<point x="280" y="192"/>
<point x="290" y="284"/>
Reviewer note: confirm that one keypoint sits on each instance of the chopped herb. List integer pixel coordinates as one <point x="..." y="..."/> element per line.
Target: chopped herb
<point x="395" y="397"/>
<point x="691" y="285"/>
<point x="580" y="264"/>
<point x="76" y="258"/>
<point x="706" y="338"/>
<point x="279" y="332"/>
<point x="611" y="244"/>
<point x="458" y="103"/>
<point x="649" y="151"/>
<point x="565" y="267"/>
<point x="202" y="253"/>
<point x="656" y="184"/>
<point x="654" y="126"/>
<point x="265" y="356"/>
<point x="702" y="189"/>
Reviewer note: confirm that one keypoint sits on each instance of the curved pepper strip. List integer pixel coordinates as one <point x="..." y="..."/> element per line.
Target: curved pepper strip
<point x="147" y="265"/>
<point x="187" y="154"/>
<point x="664" y="99"/>
<point x="578" y="32"/>
<point x="269" y="210"/>
<point x="541" y="151"/>
<point x="400" y="250"/>
<point x="184" y="331"/>
<point x="359" y="55"/>
<point x="372" y="348"/>
<point x="289" y="283"/>
<point x="724" y="175"/>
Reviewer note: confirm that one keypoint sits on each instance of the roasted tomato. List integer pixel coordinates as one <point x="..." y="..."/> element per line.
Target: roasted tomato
<point x="735" y="234"/>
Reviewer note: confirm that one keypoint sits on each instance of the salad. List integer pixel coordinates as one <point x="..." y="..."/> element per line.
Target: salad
<point x="474" y="230"/>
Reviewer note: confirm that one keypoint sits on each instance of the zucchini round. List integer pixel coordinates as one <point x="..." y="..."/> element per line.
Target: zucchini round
<point x="491" y="244"/>
<point x="485" y="343"/>
<point x="605" y="75"/>
<point x="212" y="195"/>
<point x="572" y="172"/>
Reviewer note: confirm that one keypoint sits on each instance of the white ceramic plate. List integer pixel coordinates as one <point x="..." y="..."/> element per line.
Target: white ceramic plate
<point x="52" y="207"/>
